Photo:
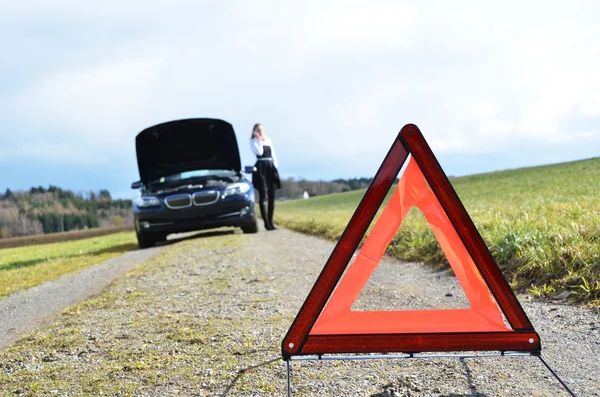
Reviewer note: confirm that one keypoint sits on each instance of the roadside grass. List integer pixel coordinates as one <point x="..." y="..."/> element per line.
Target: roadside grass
<point x="542" y="225"/>
<point x="71" y="235"/>
<point x="25" y="267"/>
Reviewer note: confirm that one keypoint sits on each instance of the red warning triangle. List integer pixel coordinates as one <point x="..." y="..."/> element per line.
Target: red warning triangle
<point x="326" y="323"/>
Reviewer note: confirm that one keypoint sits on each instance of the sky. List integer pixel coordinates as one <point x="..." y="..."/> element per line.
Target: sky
<point x="492" y="85"/>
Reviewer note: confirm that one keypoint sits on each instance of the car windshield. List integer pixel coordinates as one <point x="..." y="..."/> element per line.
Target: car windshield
<point x="195" y="174"/>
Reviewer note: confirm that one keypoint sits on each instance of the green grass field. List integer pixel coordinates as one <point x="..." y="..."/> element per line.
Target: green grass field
<point x="542" y="224"/>
<point x="25" y="267"/>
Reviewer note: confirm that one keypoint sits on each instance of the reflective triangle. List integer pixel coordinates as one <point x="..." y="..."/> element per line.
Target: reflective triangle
<point x="326" y="323"/>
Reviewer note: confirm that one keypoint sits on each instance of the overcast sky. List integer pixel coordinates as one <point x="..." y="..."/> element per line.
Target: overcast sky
<point x="492" y="85"/>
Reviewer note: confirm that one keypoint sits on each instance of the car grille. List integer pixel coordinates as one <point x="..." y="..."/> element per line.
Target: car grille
<point x="179" y="201"/>
<point x="206" y="197"/>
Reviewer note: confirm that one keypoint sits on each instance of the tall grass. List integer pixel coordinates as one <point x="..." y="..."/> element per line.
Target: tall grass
<point x="542" y="225"/>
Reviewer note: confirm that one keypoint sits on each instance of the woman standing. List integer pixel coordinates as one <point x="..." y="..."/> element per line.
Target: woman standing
<point x="266" y="178"/>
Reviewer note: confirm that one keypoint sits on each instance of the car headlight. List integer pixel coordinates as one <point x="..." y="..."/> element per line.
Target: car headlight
<point x="236" y="188"/>
<point x="146" y="201"/>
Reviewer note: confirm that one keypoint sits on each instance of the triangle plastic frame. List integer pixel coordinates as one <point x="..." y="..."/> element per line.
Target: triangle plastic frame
<point x="299" y="340"/>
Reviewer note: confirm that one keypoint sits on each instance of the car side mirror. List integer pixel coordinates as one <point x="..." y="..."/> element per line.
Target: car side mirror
<point x="249" y="169"/>
<point x="137" y="185"/>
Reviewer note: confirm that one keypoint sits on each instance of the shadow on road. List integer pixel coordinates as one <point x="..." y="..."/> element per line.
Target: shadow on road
<point x="187" y="236"/>
<point x="244" y="371"/>
<point x="473" y="389"/>
<point x="388" y="394"/>
<point x="474" y="392"/>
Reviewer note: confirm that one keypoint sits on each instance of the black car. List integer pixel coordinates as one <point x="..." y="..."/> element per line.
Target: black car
<point x="190" y="179"/>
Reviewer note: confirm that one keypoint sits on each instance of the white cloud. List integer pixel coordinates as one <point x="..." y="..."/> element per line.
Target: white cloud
<point x="330" y="80"/>
<point x="94" y="99"/>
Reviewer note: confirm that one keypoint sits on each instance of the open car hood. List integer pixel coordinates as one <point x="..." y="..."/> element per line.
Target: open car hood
<point x="186" y="145"/>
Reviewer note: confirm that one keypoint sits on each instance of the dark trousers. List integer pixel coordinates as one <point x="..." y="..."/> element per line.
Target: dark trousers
<point x="269" y="194"/>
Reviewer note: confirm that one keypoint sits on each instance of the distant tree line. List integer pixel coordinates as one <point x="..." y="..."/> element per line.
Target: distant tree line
<point x="354" y="183"/>
<point x="294" y="189"/>
<point x="48" y="210"/>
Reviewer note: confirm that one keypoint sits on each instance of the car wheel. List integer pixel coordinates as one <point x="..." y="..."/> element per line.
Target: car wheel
<point x="251" y="227"/>
<point x="144" y="240"/>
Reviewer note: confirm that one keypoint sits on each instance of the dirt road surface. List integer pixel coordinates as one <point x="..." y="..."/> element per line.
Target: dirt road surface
<point x="207" y="315"/>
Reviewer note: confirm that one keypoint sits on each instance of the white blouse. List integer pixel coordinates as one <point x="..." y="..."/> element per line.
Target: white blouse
<point x="257" y="147"/>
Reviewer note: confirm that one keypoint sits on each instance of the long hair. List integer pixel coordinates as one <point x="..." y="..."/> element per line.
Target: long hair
<point x="254" y="130"/>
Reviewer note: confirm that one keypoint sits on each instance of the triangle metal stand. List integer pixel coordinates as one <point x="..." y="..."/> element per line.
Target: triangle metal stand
<point x="322" y="357"/>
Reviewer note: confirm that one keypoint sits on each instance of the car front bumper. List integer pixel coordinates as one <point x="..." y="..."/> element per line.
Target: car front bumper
<point x="163" y="221"/>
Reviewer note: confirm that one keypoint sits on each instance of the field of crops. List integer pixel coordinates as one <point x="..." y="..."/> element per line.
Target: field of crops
<point x="542" y="224"/>
<point x="25" y="267"/>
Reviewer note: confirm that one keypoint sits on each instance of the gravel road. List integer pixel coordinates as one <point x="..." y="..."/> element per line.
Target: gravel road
<point x="25" y="310"/>
<point x="207" y="316"/>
